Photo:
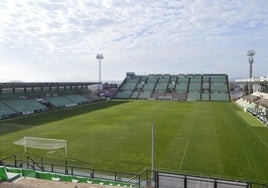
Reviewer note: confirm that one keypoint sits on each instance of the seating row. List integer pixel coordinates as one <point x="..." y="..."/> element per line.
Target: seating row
<point x="34" y="94"/>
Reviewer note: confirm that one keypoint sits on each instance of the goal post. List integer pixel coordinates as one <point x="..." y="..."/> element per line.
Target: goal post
<point x="42" y="143"/>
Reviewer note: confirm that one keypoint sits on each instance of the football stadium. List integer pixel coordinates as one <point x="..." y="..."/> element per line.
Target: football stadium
<point x="155" y="130"/>
<point x="175" y="103"/>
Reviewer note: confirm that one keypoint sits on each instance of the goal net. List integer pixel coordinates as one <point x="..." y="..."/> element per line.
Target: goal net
<point x="42" y="143"/>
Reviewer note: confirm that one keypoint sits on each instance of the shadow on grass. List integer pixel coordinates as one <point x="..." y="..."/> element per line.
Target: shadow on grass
<point x="20" y="123"/>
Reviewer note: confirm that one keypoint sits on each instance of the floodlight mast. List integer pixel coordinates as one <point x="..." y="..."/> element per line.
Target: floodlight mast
<point x="99" y="57"/>
<point x="250" y="53"/>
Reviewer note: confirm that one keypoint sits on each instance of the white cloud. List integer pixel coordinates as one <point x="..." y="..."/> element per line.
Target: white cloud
<point x="142" y="36"/>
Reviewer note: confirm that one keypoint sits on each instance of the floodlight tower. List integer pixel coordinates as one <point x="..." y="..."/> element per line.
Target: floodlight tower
<point x="99" y="57"/>
<point x="250" y="53"/>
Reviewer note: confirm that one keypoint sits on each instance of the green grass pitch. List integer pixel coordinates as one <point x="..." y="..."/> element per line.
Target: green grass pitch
<point x="203" y="138"/>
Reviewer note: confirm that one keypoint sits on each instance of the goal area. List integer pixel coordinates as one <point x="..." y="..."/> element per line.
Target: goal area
<point x="42" y="143"/>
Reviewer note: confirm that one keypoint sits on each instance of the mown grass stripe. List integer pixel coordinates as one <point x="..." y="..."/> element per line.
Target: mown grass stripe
<point x="185" y="150"/>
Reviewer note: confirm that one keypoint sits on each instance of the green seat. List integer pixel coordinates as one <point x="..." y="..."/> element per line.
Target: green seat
<point x="43" y="175"/>
<point x="66" y="178"/>
<point x="29" y="173"/>
<point x="3" y="174"/>
<point x="7" y="176"/>
<point x="14" y="170"/>
<point x="82" y="179"/>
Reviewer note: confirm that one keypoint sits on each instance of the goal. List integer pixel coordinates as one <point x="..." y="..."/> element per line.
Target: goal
<point x="42" y="143"/>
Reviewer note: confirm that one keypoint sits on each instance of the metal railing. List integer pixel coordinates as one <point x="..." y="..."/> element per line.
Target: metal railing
<point x="156" y="179"/>
<point x="25" y="161"/>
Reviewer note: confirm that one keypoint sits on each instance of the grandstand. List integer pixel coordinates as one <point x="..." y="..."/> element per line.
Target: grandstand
<point x="28" y="98"/>
<point x="25" y="106"/>
<point x="5" y="111"/>
<point x="182" y="87"/>
<point x="256" y="104"/>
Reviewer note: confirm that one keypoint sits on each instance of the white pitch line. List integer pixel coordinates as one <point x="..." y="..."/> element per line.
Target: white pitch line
<point x="185" y="149"/>
<point x="260" y="139"/>
<point x="249" y="126"/>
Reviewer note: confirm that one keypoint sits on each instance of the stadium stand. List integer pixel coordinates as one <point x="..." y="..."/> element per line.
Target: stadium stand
<point x="161" y="86"/>
<point x="129" y="86"/>
<point x="60" y="101"/>
<point x="196" y="79"/>
<point x="222" y="87"/>
<point x="255" y="104"/>
<point x="245" y="104"/>
<point x="195" y="87"/>
<point x="206" y="79"/>
<point x="218" y="79"/>
<point x="123" y="94"/>
<point x="173" y="78"/>
<point x="164" y="78"/>
<point x="219" y="97"/>
<point x="171" y="86"/>
<point x="183" y="79"/>
<point x="149" y="86"/>
<point x="135" y="95"/>
<point x="24" y="98"/>
<point x="145" y="95"/>
<point x="25" y="106"/>
<point x="206" y="86"/>
<point x="182" y="87"/>
<point x="12" y="96"/>
<point x="6" y="111"/>
<point x="78" y="99"/>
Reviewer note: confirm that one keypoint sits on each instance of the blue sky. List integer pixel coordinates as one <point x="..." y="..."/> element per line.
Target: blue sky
<point x="57" y="40"/>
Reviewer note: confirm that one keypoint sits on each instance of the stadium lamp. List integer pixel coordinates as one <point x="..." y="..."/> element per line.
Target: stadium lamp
<point x="251" y="53"/>
<point x="99" y="57"/>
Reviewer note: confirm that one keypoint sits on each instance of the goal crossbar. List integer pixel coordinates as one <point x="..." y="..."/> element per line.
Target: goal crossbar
<point x="42" y="143"/>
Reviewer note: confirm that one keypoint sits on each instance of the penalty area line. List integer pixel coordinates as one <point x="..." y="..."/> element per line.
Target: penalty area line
<point x="185" y="150"/>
